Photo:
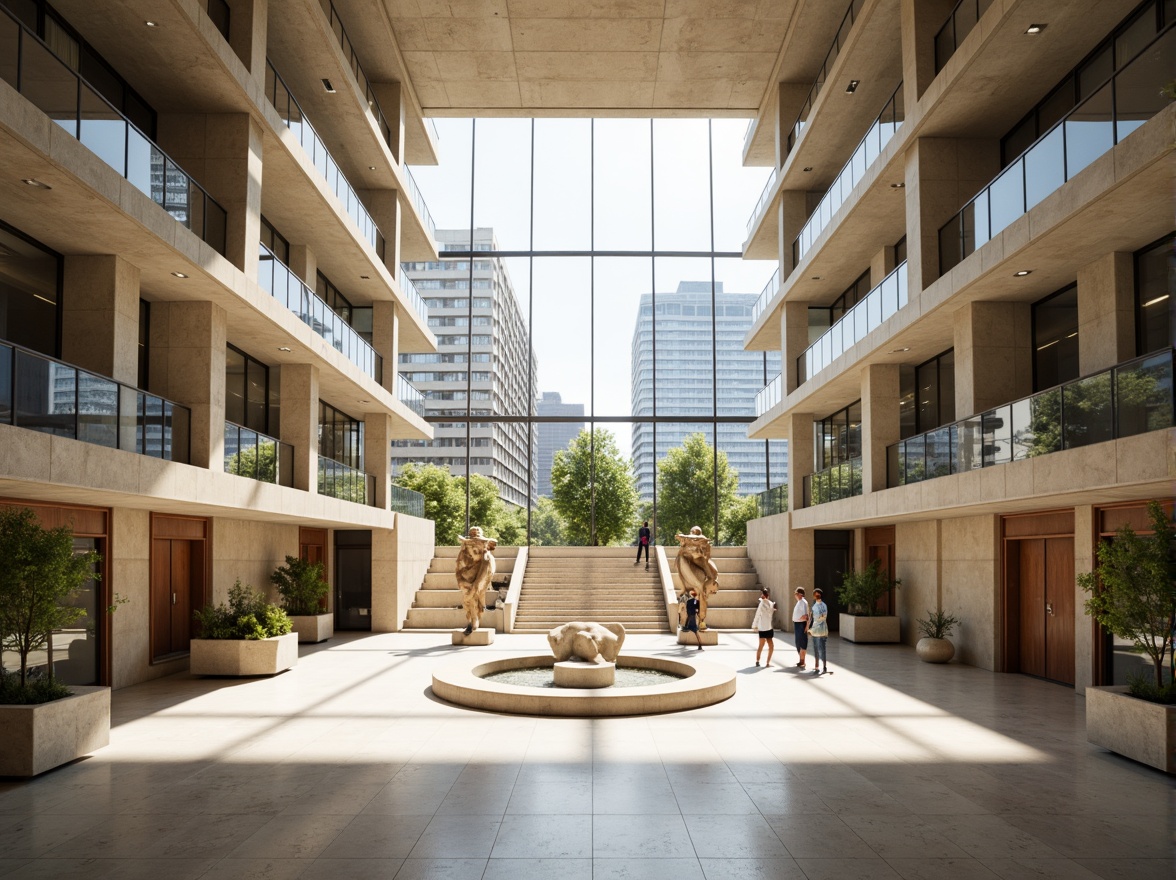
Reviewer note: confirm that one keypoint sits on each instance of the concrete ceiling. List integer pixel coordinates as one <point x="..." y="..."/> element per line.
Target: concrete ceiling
<point x="582" y="57"/>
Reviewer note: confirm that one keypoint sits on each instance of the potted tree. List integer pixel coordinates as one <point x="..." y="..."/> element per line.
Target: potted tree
<point x="248" y="636"/>
<point x="43" y="722"/>
<point x="303" y="590"/>
<point x="1133" y="596"/>
<point x="935" y="647"/>
<point x="860" y="592"/>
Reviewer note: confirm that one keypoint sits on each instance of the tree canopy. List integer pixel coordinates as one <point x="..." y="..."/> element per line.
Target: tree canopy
<point x="575" y="485"/>
<point x="686" y="490"/>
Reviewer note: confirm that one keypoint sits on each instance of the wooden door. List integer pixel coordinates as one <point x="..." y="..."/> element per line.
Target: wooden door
<point x="1059" y="609"/>
<point x="161" y="605"/>
<point x="177" y="579"/>
<point x="879" y="542"/>
<point x="1031" y="610"/>
<point x="181" y="593"/>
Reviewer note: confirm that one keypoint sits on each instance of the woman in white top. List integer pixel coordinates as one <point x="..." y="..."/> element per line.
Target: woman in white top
<point x="762" y="623"/>
<point x="800" y="616"/>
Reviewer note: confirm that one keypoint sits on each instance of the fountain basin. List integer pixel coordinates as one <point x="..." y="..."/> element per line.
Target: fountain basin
<point x="577" y="674"/>
<point x="702" y="684"/>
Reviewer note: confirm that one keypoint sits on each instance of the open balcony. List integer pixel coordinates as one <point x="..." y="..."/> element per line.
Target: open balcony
<point x="346" y="483"/>
<point x="255" y="455"/>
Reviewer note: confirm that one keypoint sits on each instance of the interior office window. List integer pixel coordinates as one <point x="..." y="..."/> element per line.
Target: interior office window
<point x="275" y="241"/>
<point x="1155" y="308"/>
<point x="927" y="395"/>
<point x="247" y="395"/>
<point x="1055" y="338"/>
<point x="332" y="296"/>
<point x="340" y="436"/>
<point x="900" y="251"/>
<point x="30" y="292"/>
<point x="838" y="437"/>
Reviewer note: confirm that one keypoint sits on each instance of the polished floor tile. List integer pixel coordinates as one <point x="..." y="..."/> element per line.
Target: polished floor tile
<point x="347" y="768"/>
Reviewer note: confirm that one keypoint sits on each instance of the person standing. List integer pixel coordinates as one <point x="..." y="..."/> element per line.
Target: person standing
<point x="762" y="623"/>
<point x="818" y="628"/>
<point x="643" y="537"/>
<point x="692" y="606"/>
<point x="800" y="616"/>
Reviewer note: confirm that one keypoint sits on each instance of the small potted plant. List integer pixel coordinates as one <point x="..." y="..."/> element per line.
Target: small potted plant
<point x="860" y="592"/>
<point x="1133" y="596"/>
<point x="248" y="636"/>
<point x="43" y="722"/>
<point x="935" y="647"/>
<point x="304" y="590"/>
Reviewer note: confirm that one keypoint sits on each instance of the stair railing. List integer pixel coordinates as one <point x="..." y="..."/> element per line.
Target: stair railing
<point x="666" y="577"/>
<point x="510" y="606"/>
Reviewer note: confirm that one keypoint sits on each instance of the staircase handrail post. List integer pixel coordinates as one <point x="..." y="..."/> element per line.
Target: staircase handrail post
<point x="516" y="587"/>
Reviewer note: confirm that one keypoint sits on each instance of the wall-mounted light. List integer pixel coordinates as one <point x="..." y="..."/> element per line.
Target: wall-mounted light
<point x="852" y="87"/>
<point x="1035" y="29"/>
<point x="327" y="85"/>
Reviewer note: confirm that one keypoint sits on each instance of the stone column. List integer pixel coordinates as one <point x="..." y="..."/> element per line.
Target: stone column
<point x="993" y="355"/>
<point x="300" y="421"/>
<point x="390" y="98"/>
<point x="384" y="206"/>
<point x="248" y="32"/>
<point x="188" y="366"/>
<point x="386" y="340"/>
<point x="1106" y="312"/>
<point x="799" y="428"/>
<point x="223" y="153"/>
<point x="387" y="613"/>
<point x="1085" y="521"/>
<point x="303" y="264"/>
<point x="793" y="214"/>
<point x="794" y="337"/>
<point x="792" y="98"/>
<point x="377" y="453"/>
<point x="880" y="422"/>
<point x="921" y="21"/>
<point x="882" y="265"/>
<point x="100" y="316"/>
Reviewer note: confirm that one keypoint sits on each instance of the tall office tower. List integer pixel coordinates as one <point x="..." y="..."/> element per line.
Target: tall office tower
<point x="554" y="436"/>
<point x="498" y="378"/>
<point x="681" y="381"/>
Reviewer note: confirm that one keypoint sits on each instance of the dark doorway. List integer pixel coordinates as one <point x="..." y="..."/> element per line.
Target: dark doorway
<point x="831" y="550"/>
<point x="353" y="579"/>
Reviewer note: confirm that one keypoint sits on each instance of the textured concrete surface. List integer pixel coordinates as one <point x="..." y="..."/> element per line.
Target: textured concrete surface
<point x="34" y="739"/>
<point x="244" y="656"/>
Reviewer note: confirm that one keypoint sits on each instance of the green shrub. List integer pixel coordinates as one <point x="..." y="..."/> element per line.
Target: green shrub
<point x="36" y="689"/>
<point x="249" y="615"/>
<point x="1145" y="689"/>
<point x="301" y="586"/>
<point x="861" y="590"/>
<point x="938" y="624"/>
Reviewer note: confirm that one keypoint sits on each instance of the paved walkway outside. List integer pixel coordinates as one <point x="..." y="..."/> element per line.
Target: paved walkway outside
<point x="347" y="767"/>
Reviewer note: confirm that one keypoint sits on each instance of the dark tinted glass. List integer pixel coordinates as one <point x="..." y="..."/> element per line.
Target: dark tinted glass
<point x="1155" y="279"/>
<point x="1055" y="339"/>
<point x="234" y="386"/>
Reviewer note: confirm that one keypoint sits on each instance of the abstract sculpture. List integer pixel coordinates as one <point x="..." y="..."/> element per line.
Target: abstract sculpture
<point x="594" y="642"/>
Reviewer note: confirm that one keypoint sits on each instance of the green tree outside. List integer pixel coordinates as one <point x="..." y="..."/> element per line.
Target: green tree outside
<point x="686" y="491"/>
<point x="547" y="528"/>
<point x="575" y="485"/>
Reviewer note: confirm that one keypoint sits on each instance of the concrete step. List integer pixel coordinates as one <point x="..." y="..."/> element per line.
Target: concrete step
<point x="449" y="618"/>
<point x="728" y="580"/>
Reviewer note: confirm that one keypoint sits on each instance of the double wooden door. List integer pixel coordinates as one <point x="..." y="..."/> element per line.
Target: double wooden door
<point x="1045" y="607"/>
<point x="178" y="581"/>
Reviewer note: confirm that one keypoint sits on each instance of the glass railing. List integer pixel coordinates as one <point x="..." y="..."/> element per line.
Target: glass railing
<point x="31" y="68"/>
<point x="842" y="35"/>
<point x="291" y="113"/>
<point x="771" y="502"/>
<point x="769" y="396"/>
<point x="286" y="287"/>
<point x="345" y="482"/>
<point x="1128" y="100"/>
<point x="1132" y="398"/>
<point x="762" y="203"/>
<point x="766" y="295"/>
<point x="389" y="134"/>
<point x="47" y="395"/>
<point x="881" y="131"/>
<point x="409" y="289"/>
<point x="852" y="327"/>
<point x="409" y="395"/>
<point x="957" y="27"/>
<point x="433" y="129"/>
<point x="406" y="501"/>
<point x="833" y="483"/>
<point x="218" y="11"/>
<point x="252" y="454"/>
<point x="418" y="202"/>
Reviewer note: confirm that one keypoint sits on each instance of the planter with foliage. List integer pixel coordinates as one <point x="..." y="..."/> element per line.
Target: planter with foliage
<point x="1133" y="596"/>
<point x="304" y="591"/>
<point x="860" y="592"/>
<point x="935" y="647"/>
<point x="43" y="722"/>
<point x="248" y="636"/>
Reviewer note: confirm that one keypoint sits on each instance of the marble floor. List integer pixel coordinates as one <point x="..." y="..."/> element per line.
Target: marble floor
<point x="347" y="767"/>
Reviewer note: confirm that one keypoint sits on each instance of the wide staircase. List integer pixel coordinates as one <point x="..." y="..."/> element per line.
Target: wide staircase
<point x="733" y="606"/>
<point x="438" y="602"/>
<point x="598" y="584"/>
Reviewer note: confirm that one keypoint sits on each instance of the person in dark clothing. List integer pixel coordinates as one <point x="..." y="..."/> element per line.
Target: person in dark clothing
<point x="643" y="537"/>
<point x="692" y="606"/>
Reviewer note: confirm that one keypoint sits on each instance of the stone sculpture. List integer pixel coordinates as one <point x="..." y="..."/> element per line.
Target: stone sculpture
<point x="475" y="568"/>
<point x="697" y="570"/>
<point x="594" y="642"/>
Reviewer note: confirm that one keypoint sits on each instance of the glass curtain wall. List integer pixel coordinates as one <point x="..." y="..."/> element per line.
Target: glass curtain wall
<point x="612" y="253"/>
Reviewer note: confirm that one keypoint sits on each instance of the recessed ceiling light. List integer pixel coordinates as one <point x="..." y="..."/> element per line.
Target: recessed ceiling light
<point x="371" y="168"/>
<point x="151" y="23"/>
<point x="1035" y="29"/>
<point x="365" y="401"/>
<point x="327" y="85"/>
<point x="284" y="348"/>
<point x="32" y="181"/>
<point x="365" y="277"/>
<point x="808" y="168"/>
<point x="1022" y="273"/>
<point x="899" y="185"/>
<point x="852" y="87"/>
<point x="179" y="274"/>
<point x="815" y="277"/>
<point x="899" y="350"/>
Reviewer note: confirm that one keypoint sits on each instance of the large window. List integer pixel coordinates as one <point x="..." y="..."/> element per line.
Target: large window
<point x="927" y="394"/>
<point x="1155" y="279"/>
<point x="606" y="261"/>
<point x="1055" y="339"/>
<point x="30" y="286"/>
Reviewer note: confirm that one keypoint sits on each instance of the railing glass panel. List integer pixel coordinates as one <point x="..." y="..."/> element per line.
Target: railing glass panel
<point x="762" y="202"/>
<point x="839" y="39"/>
<point x="842" y="480"/>
<point x="410" y="396"/>
<point x="1132" y="398"/>
<point x="252" y="454"/>
<point x="365" y="86"/>
<point x="418" y="202"/>
<point x="957" y="27"/>
<point x="769" y="396"/>
<point x="871" y="146"/>
<point x="282" y="284"/>
<point x="47" y="395"/>
<point x="409" y="288"/>
<point x="406" y="501"/>
<point x="345" y="483"/>
<point x="772" y="501"/>
<point x="32" y="69"/>
<point x="869" y="312"/>
<point x="765" y="297"/>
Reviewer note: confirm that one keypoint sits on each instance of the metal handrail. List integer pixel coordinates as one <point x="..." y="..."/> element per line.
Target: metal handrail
<point x="342" y="481"/>
<point x="766" y="295"/>
<point x="762" y="203"/>
<point x="769" y="396"/>
<point x="409" y="395"/>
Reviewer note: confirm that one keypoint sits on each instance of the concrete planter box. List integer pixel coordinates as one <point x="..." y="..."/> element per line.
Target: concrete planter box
<point x="34" y="739"/>
<point x="313" y="628"/>
<point x="855" y="628"/>
<point x="1133" y="728"/>
<point x="244" y="656"/>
